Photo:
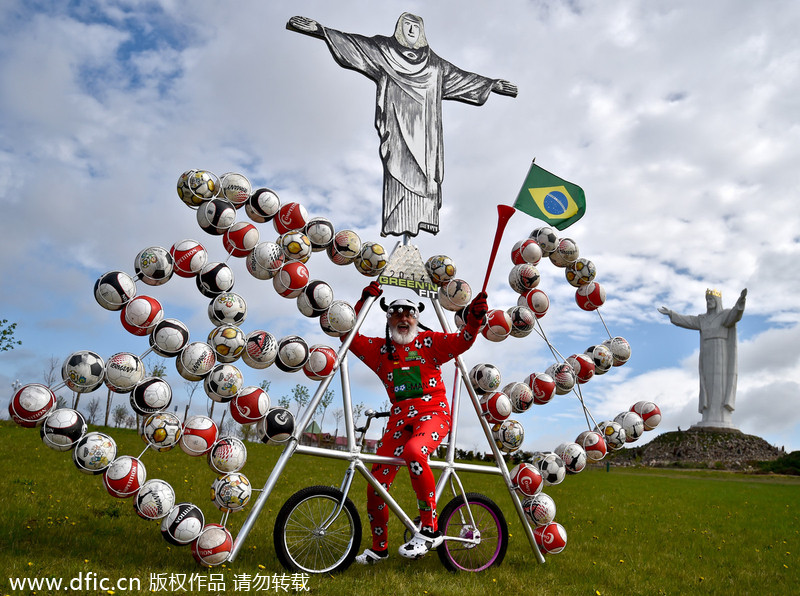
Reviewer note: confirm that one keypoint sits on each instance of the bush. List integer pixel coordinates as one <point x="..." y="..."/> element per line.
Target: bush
<point x="786" y="464"/>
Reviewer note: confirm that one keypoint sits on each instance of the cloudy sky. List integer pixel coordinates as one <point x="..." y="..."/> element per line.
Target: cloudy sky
<point x="679" y="119"/>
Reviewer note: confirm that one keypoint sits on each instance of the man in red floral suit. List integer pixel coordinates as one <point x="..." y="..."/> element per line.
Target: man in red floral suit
<point x="408" y="362"/>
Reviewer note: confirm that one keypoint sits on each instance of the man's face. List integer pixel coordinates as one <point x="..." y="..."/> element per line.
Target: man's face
<point x="410" y="31"/>
<point x="711" y="303"/>
<point x="403" y="325"/>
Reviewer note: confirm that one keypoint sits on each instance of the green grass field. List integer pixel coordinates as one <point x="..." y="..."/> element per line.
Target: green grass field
<point x="630" y="531"/>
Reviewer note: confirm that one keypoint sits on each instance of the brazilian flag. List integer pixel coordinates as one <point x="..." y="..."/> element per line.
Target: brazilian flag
<point x="547" y="197"/>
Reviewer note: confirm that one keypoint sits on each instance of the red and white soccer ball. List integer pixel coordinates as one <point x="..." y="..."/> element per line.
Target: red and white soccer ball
<point x="521" y="396"/>
<point x="551" y="539"/>
<point x="260" y="349"/>
<point x="582" y="366"/>
<point x="262" y="205"/>
<point x="265" y="260"/>
<point x="124" y="477"/>
<point x="632" y="423"/>
<point x="563" y="375"/>
<point x="140" y="314"/>
<point x="31" y="404"/>
<point x="321" y="362"/>
<point x="338" y="320"/>
<point x="523" y="278"/>
<point x="496" y="407"/>
<point x="240" y="239"/>
<point x="154" y="500"/>
<point x="593" y="444"/>
<point x="189" y="257"/>
<point x="293" y="353"/>
<point x="566" y="252"/>
<point x="536" y="300"/>
<point x="291" y="279"/>
<point x="650" y="413"/>
<point x="213" y="546"/>
<point x="526" y="251"/>
<point x="291" y="216"/>
<point x="228" y="454"/>
<point x="590" y="296"/>
<point x="454" y="294"/>
<point x="199" y="435"/>
<point x="527" y="479"/>
<point x="543" y="387"/>
<point x="250" y="405"/>
<point x="235" y="187"/>
<point x="540" y="509"/>
<point x="497" y="326"/>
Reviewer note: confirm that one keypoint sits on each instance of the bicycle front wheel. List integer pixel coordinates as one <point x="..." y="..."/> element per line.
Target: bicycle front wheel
<point x="487" y="524"/>
<point x="309" y="538"/>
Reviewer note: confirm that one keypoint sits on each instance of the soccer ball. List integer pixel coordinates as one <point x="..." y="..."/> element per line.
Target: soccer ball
<point x="154" y="266"/>
<point x="547" y="239"/>
<point x="632" y="423"/>
<point x="540" y="509"/>
<point x="199" y="435"/>
<point x="526" y="251"/>
<point x="230" y="493"/>
<point x="613" y="433"/>
<point x="83" y="371"/>
<point x="344" y="248"/>
<point x="114" y="289"/>
<point x="566" y="252"/>
<point x="440" y="268"/>
<point x="154" y="500"/>
<point x="537" y="301"/>
<point x="140" y="314"/>
<point x="321" y="362"/>
<point x="454" y="294"/>
<point x="291" y="279"/>
<point x="496" y="407"/>
<point x="338" y="320"/>
<point x="523" y="278"/>
<point x="262" y="205"/>
<point x="216" y="216"/>
<point x="315" y="298"/>
<point x="189" y="257"/>
<point x="235" y="187"/>
<point x="203" y="184"/>
<point x="527" y="479"/>
<point x="521" y="396"/>
<point x="240" y="239"/>
<point x="292" y="353"/>
<point x="295" y="245"/>
<point x="291" y="216"/>
<point x="371" y="260"/>
<point x="590" y="296"/>
<point x="593" y="444"/>
<point x="650" y="413"/>
<point x="551" y="539"/>
<point x="582" y="366"/>
<point x="250" y="405"/>
<point x="260" y="349"/>
<point x="168" y="337"/>
<point x="552" y="468"/>
<point x="161" y="431"/>
<point x="123" y="371"/>
<point x="196" y="361"/>
<point x="213" y="546"/>
<point x="580" y="273"/>
<point x="620" y="349"/>
<point x="31" y="404"/>
<point x="94" y="453"/>
<point x="185" y="193"/>
<point x="602" y="357"/>
<point x="228" y="343"/>
<point x="124" y="477"/>
<point x="223" y="382"/>
<point x="265" y="260"/>
<point x="542" y="386"/>
<point x="228" y="454"/>
<point x="214" y="279"/>
<point x="573" y="456"/>
<point x="508" y="436"/>
<point x="277" y="426"/>
<point x="498" y="325"/>
<point x="485" y="378"/>
<point x="228" y="308"/>
<point x="182" y="524"/>
<point x="563" y="375"/>
<point x="523" y="320"/>
<point x="320" y="232"/>
<point x="151" y="395"/>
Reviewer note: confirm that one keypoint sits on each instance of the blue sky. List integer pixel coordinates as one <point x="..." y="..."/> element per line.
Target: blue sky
<point x="678" y="119"/>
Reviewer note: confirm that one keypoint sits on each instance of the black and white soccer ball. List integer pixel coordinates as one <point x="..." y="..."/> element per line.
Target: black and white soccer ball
<point x="151" y="395"/>
<point x="315" y="298"/>
<point x="168" y="337"/>
<point x="602" y="357"/>
<point x="277" y="426"/>
<point x="154" y="265"/>
<point x="113" y="290"/>
<point x="551" y="466"/>
<point x="293" y="353"/>
<point x="485" y="377"/>
<point x="229" y="308"/>
<point x="547" y="239"/>
<point x="94" y="452"/>
<point x="83" y="371"/>
<point x="182" y="524"/>
<point x="123" y="371"/>
<point x="216" y="216"/>
<point x="262" y="205"/>
<point x="320" y="232"/>
<point x="62" y="429"/>
<point x="214" y="279"/>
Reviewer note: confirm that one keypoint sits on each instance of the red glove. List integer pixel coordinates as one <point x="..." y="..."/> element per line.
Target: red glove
<point x="477" y="310"/>
<point x="374" y="289"/>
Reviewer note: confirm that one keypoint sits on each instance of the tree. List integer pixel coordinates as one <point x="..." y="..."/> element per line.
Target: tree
<point x="324" y="402"/>
<point x="7" y="341"/>
<point x="265" y="385"/>
<point x="191" y="387"/>
<point x="357" y="410"/>
<point x="301" y="397"/>
<point x="284" y="402"/>
<point x="158" y="368"/>
<point x="338" y="414"/>
<point x="93" y="409"/>
<point x="120" y="415"/>
<point x="108" y="408"/>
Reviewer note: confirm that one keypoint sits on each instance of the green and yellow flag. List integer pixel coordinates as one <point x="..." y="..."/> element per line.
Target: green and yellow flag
<point x="550" y="198"/>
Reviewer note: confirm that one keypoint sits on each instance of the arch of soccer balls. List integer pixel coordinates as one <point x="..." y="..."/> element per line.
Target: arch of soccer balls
<point x="217" y="201"/>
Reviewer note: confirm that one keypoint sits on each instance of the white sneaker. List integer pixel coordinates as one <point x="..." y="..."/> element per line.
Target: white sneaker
<point x="420" y="544"/>
<point x="370" y="557"/>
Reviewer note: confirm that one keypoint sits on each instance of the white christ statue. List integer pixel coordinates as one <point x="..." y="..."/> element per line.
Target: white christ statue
<point x="718" y="359"/>
<point x="411" y="83"/>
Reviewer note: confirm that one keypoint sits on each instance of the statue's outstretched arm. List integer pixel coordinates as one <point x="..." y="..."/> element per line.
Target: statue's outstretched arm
<point x="664" y="310"/>
<point x="503" y="87"/>
<point x="305" y="26"/>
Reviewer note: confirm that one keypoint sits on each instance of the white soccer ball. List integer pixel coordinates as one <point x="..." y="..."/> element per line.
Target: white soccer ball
<point x="231" y="492"/>
<point x="94" y="452"/>
<point x="632" y="423"/>
<point x="154" y="265"/>
<point x="613" y="433"/>
<point x="508" y="436"/>
<point x="114" y="289"/>
<point x="566" y="252"/>
<point x="540" y="509"/>
<point x="315" y="298"/>
<point x="182" y="524"/>
<point x="223" y="383"/>
<point x="229" y="308"/>
<point x="228" y="454"/>
<point x="265" y="260"/>
<point x="521" y="396"/>
<point x="168" y="337"/>
<point x="338" y="320"/>
<point x="620" y="349"/>
<point x="161" y="431"/>
<point x="235" y="187"/>
<point x="123" y="371"/>
<point x="455" y="294"/>
<point x="371" y="260"/>
<point x="440" y="268"/>
<point x="151" y="395"/>
<point x="573" y="456"/>
<point x="228" y="343"/>
<point x="485" y="377"/>
<point x="154" y="500"/>
<point x="195" y="361"/>
<point x="523" y="320"/>
<point x="202" y="184"/>
<point x="83" y="371"/>
<point x="563" y="375"/>
<point x="261" y="349"/>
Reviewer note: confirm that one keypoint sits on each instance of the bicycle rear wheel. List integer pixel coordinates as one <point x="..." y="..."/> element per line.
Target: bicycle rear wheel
<point x="305" y="538"/>
<point x="489" y="525"/>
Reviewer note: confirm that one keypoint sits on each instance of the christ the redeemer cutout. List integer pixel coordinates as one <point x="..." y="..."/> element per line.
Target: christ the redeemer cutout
<point x="412" y="81"/>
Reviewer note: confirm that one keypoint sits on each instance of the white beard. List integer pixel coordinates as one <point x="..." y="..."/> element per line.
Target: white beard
<point x="403" y="337"/>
